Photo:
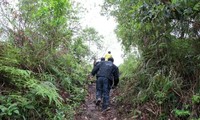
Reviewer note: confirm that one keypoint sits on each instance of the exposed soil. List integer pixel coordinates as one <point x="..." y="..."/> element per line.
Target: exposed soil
<point x="89" y="111"/>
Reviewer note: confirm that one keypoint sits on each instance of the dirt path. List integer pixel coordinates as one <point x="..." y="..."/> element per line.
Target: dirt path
<point x="88" y="111"/>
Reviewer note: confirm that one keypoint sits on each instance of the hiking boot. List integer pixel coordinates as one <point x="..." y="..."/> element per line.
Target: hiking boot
<point x="98" y="101"/>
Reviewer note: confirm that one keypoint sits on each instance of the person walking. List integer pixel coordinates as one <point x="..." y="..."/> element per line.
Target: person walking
<point x="101" y="60"/>
<point x="106" y="72"/>
<point x="98" y="62"/>
<point x="108" y="55"/>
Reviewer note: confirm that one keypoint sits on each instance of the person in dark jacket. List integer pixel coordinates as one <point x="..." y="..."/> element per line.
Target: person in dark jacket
<point x="106" y="72"/>
<point x="102" y="59"/>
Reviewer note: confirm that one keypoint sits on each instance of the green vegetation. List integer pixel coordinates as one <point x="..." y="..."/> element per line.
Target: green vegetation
<point x="43" y="60"/>
<point x="163" y="82"/>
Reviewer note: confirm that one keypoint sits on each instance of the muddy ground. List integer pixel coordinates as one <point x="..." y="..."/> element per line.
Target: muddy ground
<point x="89" y="111"/>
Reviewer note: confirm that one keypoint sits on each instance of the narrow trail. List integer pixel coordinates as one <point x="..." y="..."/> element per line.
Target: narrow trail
<point x="88" y="110"/>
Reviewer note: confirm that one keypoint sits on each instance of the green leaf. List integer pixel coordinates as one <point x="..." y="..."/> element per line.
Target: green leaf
<point x="29" y="106"/>
<point x="3" y="108"/>
<point x="181" y="113"/>
<point x="197" y="6"/>
<point x="17" y="112"/>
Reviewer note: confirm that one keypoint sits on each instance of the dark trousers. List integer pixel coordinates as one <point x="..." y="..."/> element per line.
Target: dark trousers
<point x="103" y="91"/>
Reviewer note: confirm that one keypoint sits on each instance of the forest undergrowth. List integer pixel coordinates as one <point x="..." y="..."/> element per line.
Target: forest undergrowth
<point x="160" y="76"/>
<point x="44" y="59"/>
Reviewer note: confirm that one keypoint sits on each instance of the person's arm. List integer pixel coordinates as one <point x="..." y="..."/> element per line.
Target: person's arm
<point x="95" y="69"/>
<point x="116" y="76"/>
<point x="95" y="61"/>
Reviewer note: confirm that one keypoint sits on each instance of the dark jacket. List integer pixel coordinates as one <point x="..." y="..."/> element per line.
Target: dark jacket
<point x="107" y="69"/>
<point x="97" y="63"/>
